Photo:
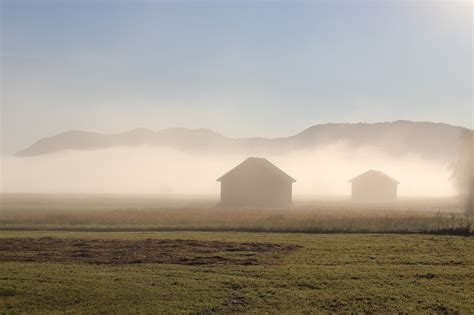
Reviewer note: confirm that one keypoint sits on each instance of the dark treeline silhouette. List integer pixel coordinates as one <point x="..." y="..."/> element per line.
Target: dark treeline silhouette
<point x="463" y="171"/>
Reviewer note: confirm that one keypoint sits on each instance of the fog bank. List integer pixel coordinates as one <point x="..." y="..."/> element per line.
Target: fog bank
<point x="322" y="171"/>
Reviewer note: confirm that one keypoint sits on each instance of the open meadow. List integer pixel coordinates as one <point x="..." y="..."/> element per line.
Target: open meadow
<point x="202" y="213"/>
<point x="207" y="272"/>
<point x="155" y="254"/>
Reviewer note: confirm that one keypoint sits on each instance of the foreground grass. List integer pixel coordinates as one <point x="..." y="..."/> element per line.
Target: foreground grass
<point x="329" y="273"/>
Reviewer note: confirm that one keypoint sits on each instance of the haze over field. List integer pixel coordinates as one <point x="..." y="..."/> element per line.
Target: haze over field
<point x="321" y="158"/>
<point x="240" y="69"/>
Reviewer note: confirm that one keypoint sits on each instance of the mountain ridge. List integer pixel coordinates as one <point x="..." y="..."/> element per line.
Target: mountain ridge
<point x="428" y="139"/>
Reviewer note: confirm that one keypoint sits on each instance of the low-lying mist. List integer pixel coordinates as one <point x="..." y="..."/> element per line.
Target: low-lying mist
<point x="146" y="170"/>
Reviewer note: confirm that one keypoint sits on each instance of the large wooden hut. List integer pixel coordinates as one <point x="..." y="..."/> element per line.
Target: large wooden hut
<point x="256" y="182"/>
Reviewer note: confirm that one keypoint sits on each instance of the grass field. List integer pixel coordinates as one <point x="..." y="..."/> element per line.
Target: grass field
<point x="158" y="213"/>
<point x="129" y="254"/>
<point x="325" y="273"/>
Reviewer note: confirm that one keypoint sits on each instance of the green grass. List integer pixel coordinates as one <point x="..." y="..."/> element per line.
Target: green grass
<point x="380" y="273"/>
<point x="385" y="269"/>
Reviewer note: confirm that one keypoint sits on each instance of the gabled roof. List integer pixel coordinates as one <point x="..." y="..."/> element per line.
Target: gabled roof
<point x="375" y="173"/>
<point x="254" y="164"/>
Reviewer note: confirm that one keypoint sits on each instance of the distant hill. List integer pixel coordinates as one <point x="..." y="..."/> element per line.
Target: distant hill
<point x="431" y="140"/>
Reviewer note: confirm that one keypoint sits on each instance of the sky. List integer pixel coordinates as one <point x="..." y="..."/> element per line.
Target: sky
<point x="241" y="68"/>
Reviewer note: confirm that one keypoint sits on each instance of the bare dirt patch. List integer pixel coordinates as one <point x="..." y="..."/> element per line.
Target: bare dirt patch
<point x="112" y="251"/>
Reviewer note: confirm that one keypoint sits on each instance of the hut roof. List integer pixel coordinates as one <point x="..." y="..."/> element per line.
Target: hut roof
<point x="254" y="164"/>
<point x="375" y="173"/>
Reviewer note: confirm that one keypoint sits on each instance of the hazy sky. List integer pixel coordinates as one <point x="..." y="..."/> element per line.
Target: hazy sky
<point x="242" y="68"/>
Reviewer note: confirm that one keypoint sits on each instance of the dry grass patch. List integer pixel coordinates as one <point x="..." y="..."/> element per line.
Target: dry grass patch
<point x="114" y="251"/>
